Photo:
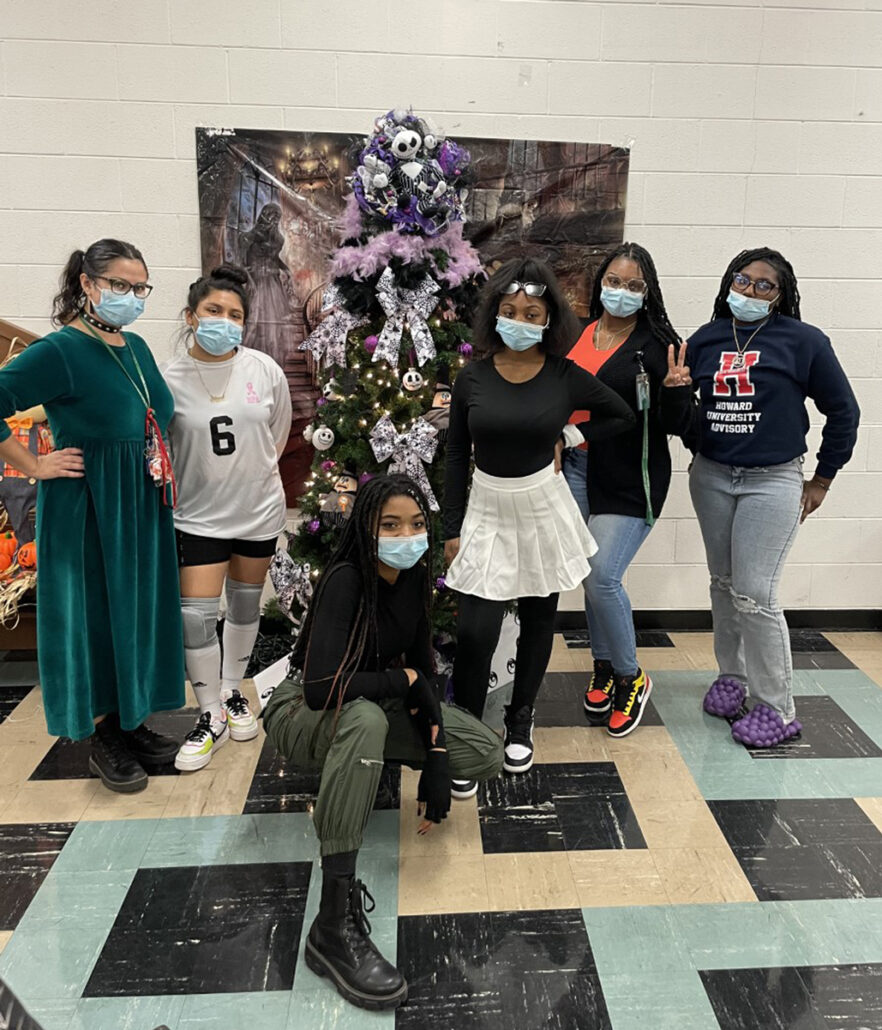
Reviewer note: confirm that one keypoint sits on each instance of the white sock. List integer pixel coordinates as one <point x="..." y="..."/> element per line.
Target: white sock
<point x="203" y="671"/>
<point x="238" y="645"/>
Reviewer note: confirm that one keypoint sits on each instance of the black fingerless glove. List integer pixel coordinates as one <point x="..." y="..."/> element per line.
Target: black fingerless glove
<point x="421" y="695"/>
<point x="434" y="786"/>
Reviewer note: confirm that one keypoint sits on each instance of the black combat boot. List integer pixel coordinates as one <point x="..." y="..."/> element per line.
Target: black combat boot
<point x="111" y="760"/>
<point x="339" y="946"/>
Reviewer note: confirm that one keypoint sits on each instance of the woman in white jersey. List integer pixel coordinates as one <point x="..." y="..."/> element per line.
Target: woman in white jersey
<point x="232" y="418"/>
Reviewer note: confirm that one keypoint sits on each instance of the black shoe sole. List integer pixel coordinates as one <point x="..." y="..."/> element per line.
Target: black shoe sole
<point x="321" y="967"/>
<point x="118" y="786"/>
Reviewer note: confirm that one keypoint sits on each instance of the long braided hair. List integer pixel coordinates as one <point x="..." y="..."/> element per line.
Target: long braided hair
<point x="358" y="547"/>
<point x="653" y="309"/>
<point x="788" y="297"/>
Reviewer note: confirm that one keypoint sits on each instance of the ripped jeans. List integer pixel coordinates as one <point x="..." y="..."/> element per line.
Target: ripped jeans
<point x="748" y="519"/>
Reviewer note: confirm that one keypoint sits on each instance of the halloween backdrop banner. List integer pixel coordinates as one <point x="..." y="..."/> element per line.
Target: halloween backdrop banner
<point x="271" y="201"/>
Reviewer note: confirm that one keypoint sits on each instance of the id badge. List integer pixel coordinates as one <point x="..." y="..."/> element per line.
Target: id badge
<point x="642" y="392"/>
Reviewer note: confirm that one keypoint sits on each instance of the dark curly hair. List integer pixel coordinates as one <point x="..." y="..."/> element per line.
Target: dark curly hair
<point x="563" y="328"/>
<point x="358" y="547"/>
<point x="788" y="298"/>
<point x="94" y="261"/>
<point x="653" y="310"/>
<point x="225" y="277"/>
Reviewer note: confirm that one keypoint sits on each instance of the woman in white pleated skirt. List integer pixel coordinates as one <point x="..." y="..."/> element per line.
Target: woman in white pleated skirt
<point x="520" y="537"/>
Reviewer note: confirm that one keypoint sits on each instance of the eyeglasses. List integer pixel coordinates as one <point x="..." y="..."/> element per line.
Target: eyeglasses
<point x="531" y="289"/>
<point x="121" y="287"/>
<point x="761" y="287"/>
<point x="631" y="285"/>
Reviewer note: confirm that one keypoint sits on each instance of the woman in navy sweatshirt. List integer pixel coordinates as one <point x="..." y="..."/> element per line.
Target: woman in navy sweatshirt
<point x="754" y="364"/>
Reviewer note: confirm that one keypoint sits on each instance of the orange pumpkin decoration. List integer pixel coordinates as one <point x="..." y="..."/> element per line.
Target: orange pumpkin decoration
<point x="5" y="561"/>
<point x="27" y="555"/>
<point x="8" y="544"/>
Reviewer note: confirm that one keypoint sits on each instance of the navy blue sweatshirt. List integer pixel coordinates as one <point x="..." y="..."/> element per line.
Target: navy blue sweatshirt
<point x="752" y="406"/>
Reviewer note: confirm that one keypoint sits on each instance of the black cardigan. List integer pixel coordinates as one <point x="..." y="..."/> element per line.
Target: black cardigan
<point x="615" y="477"/>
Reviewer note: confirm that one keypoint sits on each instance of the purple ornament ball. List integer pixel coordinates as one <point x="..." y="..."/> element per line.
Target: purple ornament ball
<point x="320" y="403"/>
<point x="465" y="349"/>
<point x="328" y="465"/>
<point x="370" y="344"/>
<point x="365" y="477"/>
<point x="313" y="526"/>
<point x="441" y="583"/>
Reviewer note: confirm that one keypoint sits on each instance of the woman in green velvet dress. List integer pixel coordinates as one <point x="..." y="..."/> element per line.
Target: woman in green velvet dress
<point x="109" y="638"/>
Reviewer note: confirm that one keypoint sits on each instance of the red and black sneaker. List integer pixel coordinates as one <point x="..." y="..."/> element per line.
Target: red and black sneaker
<point x="598" y="696"/>
<point x="630" y="695"/>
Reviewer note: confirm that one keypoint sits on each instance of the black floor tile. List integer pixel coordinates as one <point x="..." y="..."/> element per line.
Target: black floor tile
<point x="845" y="997"/>
<point x="278" y="787"/>
<point x="27" y="852"/>
<point x="560" y="701"/>
<point x="11" y="697"/>
<point x="827" y="732"/>
<point x="205" y="930"/>
<point x="558" y="807"/>
<point x="790" y="822"/>
<point x="500" y="969"/>
<point x="813" y="871"/>
<point x="579" y="638"/>
<point x="821" y="660"/>
<point x="69" y="759"/>
<point x="810" y="640"/>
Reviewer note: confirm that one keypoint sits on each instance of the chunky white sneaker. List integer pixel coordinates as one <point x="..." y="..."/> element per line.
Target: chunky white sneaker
<point x="243" y="725"/>
<point x="462" y="790"/>
<point x="200" y="743"/>
<point x="518" y="740"/>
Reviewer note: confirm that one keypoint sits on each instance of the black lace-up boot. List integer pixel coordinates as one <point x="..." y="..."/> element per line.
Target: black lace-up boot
<point x="113" y="762"/>
<point x="339" y="946"/>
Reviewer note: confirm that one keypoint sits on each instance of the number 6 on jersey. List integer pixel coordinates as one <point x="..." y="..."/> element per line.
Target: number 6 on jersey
<point x="222" y="443"/>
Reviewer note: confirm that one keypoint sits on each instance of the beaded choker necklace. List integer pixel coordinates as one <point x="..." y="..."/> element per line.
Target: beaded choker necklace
<point x="103" y="326"/>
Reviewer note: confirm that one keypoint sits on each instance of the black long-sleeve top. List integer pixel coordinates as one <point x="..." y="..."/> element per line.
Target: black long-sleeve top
<point x="615" y="470"/>
<point x="514" y="426"/>
<point x="402" y="630"/>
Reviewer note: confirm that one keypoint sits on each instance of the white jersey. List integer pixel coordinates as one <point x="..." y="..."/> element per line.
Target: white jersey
<point x="225" y="452"/>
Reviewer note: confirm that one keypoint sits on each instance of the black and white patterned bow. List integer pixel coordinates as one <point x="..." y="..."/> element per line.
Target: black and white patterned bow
<point x="408" y="451"/>
<point x="327" y="342"/>
<point x="406" y="309"/>
<point x="291" y="581"/>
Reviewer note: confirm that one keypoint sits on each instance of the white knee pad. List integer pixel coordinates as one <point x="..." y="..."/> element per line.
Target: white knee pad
<point x="243" y="602"/>
<point x="200" y="621"/>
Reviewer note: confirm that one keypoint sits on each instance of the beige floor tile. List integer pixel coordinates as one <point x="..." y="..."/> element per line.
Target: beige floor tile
<point x="583" y="660"/>
<point x="567" y="744"/>
<point x="27" y="724"/>
<point x="561" y="661"/>
<point x="645" y="740"/>
<point x="52" y="801"/>
<point x="870" y="665"/>
<point x="19" y="761"/>
<point x="5" y="938"/>
<point x="873" y="808"/>
<point x="150" y="803"/>
<point x="655" y="775"/>
<point x="459" y="834"/>
<point x="660" y="659"/>
<point x="598" y="875"/>
<point x="677" y="824"/>
<point x="856" y="642"/>
<point x="593" y="743"/>
<point x="694" y="876"/>
<point x="442" y="883"/>
<point x="221" y="788"/>
<point x="522" y="881"/>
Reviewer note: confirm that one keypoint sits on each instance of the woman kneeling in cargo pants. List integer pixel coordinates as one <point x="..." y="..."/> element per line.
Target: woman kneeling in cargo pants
<point x="365" y="693"/>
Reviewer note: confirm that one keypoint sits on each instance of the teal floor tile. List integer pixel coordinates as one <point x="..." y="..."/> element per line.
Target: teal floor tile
<point x="833" y="931"/>
<point x="53" y="1014"/>
<point x="266" y="1011"/>
<point x="629" y="937"/>
<point x="326" y="1010"/>
<point x="51" y="965"/>
<point x="128" y="1013"/>
<point x="115" y="846"/>
<point x="676" y="1000"/>
<point x="738" y="936"/>
<point x="90" y="899"/>
<point x="232" y="839"/>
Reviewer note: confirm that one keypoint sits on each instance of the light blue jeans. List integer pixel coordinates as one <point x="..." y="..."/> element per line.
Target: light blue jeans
<point x="749" y="518"/>
<point x="607" y="606"/>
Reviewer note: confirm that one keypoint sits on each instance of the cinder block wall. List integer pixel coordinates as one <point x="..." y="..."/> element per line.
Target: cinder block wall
<point x="756" y="123"/>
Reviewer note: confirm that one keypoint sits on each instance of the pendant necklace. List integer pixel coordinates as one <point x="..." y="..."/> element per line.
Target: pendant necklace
<point x="738" y="361"/>
<point x="214" y="398"/>
<point x="610" y="336"/>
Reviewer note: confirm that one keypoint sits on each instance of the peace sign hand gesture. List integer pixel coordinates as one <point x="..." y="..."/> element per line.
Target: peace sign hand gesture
<point x="678" y="371"/>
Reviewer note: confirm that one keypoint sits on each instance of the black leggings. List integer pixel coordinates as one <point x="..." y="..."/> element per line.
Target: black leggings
<point x="477" y="634"/>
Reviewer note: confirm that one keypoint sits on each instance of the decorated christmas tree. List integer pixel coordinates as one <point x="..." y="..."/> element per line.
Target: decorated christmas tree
<point x="393" y="335"/>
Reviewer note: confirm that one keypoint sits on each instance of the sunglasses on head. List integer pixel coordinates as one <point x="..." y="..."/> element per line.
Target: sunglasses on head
<point x="531" y="289"/>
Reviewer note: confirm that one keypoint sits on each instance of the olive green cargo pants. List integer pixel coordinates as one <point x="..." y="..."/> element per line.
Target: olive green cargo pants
<point x="351" y="757"/>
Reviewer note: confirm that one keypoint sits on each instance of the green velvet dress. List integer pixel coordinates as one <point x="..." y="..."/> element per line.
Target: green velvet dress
<point x="108" y="603"/>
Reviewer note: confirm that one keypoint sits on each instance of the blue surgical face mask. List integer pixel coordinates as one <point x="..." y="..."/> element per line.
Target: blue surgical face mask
<point x="748" y="309"/>
<point x="402" y="552"/>
<point x="218" y="336"/>
<point x="620" y="303"/>
<point x="118" y="308"/>
<point x="519" y="335"/>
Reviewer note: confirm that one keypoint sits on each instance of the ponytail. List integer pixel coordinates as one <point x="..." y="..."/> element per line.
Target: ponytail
<point x="69" y="301"/>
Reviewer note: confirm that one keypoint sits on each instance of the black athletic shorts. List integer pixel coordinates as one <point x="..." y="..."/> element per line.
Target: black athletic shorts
<point x="206" y="550"/>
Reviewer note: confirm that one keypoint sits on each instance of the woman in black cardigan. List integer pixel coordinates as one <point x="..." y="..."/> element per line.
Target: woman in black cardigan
<point x="621" y="483"/>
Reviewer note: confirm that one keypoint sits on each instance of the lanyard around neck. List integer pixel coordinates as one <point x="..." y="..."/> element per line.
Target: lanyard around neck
<point x="141" y="390"/>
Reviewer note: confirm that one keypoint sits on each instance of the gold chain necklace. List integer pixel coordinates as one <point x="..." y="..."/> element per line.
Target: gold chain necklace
<point x="610" y="336"/>
<point x="213" y="397"/>
<point x="739" y="348"/>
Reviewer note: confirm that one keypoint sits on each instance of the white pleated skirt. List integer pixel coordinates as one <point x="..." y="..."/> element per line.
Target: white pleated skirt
<point x="521" y="537"/>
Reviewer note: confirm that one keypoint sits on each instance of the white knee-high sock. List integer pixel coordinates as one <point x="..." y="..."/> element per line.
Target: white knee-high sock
<point x="203" y="671"/>
<point x="238" y="645"/>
